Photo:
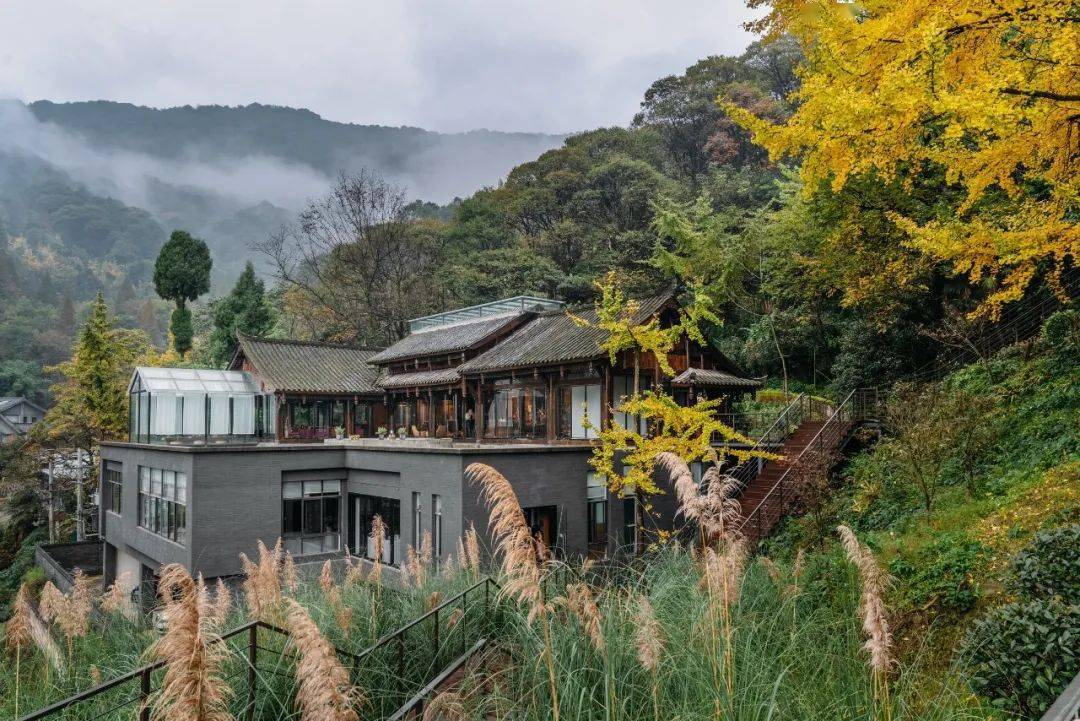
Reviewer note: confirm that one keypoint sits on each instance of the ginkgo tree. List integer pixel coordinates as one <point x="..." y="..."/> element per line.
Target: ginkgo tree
<point x="624" y="455"/>
<point x="989" y="90"/>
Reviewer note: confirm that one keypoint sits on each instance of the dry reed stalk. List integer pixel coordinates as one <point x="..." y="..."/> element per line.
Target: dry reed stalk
<point x="715" y="511"/>
<point x="650" y="645"/>
<point x="288" y="573"/>
<point x="19" y="633"/>
<point x="774" y="571"/>
<point x="796" y="572"/>
<point x="325" y="692"/>
<point x="95" y="674"/>
<point x="433" y="600"/>
<point x="722" y="580"/>
<point x="192" y="688"/>
<point x="462" y="554"/>
<point x="332" y="594"/>
<point x="872" y="610"/>
<point x="580" y="603"/>
<point x="72" y="612"/>
<point x="116" y="600"/>
<point x="50" y="602"/>
<point x="219" y="609"/>
<point x="426" y="549"/>
<point x="523" y="575"/>
<point x="455" y="616"/>
<point x="326" y="578"/>
<point x="447" y="706"/>
<point x="262" y="582"/>
<point x="472" y="550"/>
<point x="378" y="532"/>
<point x="448" y="567"/>
<point x="354" y="572"/>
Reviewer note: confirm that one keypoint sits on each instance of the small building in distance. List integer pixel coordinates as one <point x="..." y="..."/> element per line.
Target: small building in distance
<point x="17" y="415"/>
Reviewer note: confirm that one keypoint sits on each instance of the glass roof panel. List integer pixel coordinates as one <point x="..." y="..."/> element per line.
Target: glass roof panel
<point x="193" y="380"/>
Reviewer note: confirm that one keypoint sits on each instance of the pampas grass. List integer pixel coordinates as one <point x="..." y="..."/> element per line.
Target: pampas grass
<point x="262" y="582"/>
<point x="716" y="511"/>
<point x="472" y="550"/>
<point x="18" y="634"/>
<point x="324" y="692"/>
<point x="650" y="645"/>
<point x="192" y="688"/>
<point x="523" y="576"/>
<point x="875" y="620"/>
<point x="116" y="600"/>
<point x="447" y="706"/>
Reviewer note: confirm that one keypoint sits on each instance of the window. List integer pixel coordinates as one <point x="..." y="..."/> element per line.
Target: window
<point x="311" y="516"/>
<point x="517" y="412"/>
<point x="436" y="526"/>
<point x="596" y="501"/>
<point x="163" y="503"/>
<point x="418" y="521"/>
<point x="622" y="389"/>
<point x="389" y="509"/>
<point x="574" y="403"/>
<point x="114" y="484"/>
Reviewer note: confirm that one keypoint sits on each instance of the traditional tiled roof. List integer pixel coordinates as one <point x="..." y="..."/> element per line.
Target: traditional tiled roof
<point x="310" y="367"/>
<point x="554" y="338"/>
<point x="7" y="429"/>
<point x="441" y="377"/>
<point x="712" y="378"/>
<point x="452" y="338"/>
<point x="9" y="401"/>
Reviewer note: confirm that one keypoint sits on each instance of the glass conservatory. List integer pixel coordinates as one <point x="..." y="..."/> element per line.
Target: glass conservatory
<point x="198" y="406"/>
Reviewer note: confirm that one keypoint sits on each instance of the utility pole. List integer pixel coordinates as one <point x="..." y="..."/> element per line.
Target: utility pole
<point x="80" y="528"/>
<point x="52" y="510"/>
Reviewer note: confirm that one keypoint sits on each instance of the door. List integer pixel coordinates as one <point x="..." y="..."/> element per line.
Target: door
<point x="543" y="521"/>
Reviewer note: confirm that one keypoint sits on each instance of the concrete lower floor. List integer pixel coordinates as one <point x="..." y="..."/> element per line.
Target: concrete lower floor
<point x="204" y="506"/>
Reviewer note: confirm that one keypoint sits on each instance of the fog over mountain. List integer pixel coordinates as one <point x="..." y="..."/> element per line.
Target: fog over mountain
<point x="230" y="174"/>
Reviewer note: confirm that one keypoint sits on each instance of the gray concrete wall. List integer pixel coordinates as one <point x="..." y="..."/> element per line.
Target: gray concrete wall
<point x="234" y="494"/>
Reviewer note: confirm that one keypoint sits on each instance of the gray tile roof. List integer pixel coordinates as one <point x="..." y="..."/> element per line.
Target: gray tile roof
<point x="9" y="401"/>
<point x="554" y="338"/>
<point x="310" y="367"/>
<point x="418" y="379"/>
<point x="442" y="340"/>
<point x="712" y="378"/>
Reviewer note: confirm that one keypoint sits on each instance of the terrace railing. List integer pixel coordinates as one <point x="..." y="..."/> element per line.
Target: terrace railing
<point x="803" y="408"/>
<point x="399" y="664"/>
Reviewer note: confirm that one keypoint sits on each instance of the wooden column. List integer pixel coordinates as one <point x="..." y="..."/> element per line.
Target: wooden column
<point x="279" y="417"/>
<point x="478" y="416"/>
<point x="552" y="408"/>
<point x="605" y="402"/>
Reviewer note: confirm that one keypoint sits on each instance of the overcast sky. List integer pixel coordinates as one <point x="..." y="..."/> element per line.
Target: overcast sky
<point x="544" y="65"/>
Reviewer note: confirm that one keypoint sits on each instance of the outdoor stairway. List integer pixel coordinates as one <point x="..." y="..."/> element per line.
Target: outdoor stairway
<point x="807" y="435"/>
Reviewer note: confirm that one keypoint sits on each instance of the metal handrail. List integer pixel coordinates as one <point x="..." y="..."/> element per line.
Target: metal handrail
<point x="838" y="413"/>
<point x="416" y="703"/>
<point x="743" y="473"/>
<point x="251" y="627"/>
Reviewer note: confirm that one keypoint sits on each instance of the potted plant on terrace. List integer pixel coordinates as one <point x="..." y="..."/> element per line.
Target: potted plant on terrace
<point x="339" y="432"/>
<point x="381" y="432"/>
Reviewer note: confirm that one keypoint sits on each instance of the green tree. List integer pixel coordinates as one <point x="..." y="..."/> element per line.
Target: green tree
<point x="91" y="403"/>
<point x="245" y="310"/>
<point x="182" y="273"/>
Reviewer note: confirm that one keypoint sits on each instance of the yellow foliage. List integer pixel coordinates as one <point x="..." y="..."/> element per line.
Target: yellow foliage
<point x="987" y="90"/>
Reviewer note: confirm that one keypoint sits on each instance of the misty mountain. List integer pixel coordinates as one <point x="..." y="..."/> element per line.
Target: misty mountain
<point x="110" y="180"/>
<point x="433" y="166"/>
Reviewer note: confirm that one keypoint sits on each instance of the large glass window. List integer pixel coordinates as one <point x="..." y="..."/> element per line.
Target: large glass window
<point x="311" y="516"/>
<point x="389" y="509"/>
<point x="517" y="412"/>
<point x="622" y="390"/>
<point x="114" y="486"/>
<point x="597" y="508"/>
<point x="163" y="503"/>
<point x="575" y="402"/>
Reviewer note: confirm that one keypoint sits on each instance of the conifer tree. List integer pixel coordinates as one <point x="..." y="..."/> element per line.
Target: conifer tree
<point x="182" y="273"/>
<point x="91" y="403"/>
<point x="244" y="310"/>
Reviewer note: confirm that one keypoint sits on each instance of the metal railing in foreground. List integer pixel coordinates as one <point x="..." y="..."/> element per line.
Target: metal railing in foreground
<point x="398" y="664"/>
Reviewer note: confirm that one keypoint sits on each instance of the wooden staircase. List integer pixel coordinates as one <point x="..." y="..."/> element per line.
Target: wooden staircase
<point x="807" y="435"/>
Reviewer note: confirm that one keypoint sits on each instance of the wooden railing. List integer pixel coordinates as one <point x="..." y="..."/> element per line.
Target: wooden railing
<point x="410" y="655"/>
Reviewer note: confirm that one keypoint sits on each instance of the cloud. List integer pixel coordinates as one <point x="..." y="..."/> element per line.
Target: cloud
<point x="554" y="66"/>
